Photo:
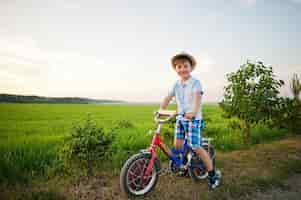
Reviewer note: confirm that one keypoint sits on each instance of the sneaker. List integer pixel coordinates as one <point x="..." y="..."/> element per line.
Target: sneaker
<point x="183" y="173"/>
<point x="214" y="181"/>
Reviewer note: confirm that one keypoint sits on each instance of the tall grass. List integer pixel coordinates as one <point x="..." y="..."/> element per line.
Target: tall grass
<point x="30" y="134"/>
<point x="22" y="160"/>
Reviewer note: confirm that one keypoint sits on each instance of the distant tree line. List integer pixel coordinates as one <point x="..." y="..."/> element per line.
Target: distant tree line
<point x="11" y="98"/>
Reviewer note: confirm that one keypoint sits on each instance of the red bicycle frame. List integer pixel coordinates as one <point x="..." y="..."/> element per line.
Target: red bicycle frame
<point x="156" y="142"/>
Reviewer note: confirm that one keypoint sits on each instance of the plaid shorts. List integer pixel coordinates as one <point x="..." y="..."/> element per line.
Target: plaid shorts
<point x="193" y="128"/>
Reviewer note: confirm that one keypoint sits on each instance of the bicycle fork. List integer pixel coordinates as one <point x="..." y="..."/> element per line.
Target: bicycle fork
<point x="156" y="142"/>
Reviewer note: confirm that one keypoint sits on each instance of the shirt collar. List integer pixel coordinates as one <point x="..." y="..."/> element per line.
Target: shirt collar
<point x="186" y="82"/>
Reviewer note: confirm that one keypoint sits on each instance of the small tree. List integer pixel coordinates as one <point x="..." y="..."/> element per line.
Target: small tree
<point x="86" y="144"/>
<point x="251" y="95"/>
<point x="288" y="115"/>
<point x="296" y="87"/>
<point x="289" y="111"/>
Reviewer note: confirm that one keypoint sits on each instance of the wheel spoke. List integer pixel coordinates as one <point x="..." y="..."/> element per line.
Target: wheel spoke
<point x="136" y="186"/>
<point x="132" y="173"/>
<point x="144" y="168"/>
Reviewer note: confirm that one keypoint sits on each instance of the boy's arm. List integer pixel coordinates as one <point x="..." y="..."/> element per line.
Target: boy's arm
<point x="165" y="102"/>
<point x="196" y="102"/>
<point x="168" y="98"/>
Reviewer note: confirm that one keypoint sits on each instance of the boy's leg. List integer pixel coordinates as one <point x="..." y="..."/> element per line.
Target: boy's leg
<point x="178" y="135"/>
<point x="178" y="143"/>
<point x="205" y="158"/>
<point x="194" y="139"/>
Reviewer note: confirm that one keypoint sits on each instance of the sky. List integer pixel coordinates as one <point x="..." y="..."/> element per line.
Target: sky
<point x="122" y="49"/>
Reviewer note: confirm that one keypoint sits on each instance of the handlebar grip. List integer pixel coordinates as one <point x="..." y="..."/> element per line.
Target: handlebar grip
<point x="162" y="120"/>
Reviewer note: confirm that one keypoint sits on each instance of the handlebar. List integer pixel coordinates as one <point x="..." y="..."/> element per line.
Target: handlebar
<point x="170" y="114"/>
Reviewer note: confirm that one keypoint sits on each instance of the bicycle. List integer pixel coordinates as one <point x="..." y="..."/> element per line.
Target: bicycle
<point x="140" y="173"/>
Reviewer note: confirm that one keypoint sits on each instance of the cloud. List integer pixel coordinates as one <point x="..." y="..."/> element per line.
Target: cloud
<point x="204" y="63"/>
<point x="295" y="1"/>
<point x="24" y="65"/>
<point x="253" y="3"/>
<point x="248" y="3"/>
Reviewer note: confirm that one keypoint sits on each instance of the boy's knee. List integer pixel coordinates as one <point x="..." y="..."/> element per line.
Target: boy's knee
<point x="178" y="143"/>
<point x="199" y="149"/>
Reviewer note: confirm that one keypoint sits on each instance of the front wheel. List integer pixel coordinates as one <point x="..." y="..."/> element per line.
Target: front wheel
<point x="132" y="179"/>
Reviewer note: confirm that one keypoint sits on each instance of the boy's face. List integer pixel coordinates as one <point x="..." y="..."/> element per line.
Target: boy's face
<point x="183" y="68"/>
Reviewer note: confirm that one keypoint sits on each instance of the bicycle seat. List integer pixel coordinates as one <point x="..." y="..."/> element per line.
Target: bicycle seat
<point x="207" y="139"/>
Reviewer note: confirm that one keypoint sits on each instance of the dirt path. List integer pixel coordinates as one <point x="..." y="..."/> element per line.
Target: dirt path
<point x="266" y="171"/>
<point x="292" y="191"/>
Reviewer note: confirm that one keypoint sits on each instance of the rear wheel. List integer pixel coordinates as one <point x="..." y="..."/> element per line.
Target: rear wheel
<point x="198" y="170"/>
<point x="132" y="179"/>
<point x="198" y="173"/>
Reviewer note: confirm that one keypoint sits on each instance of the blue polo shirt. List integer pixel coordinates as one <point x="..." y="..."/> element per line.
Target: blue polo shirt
<point x="183" y="92"/>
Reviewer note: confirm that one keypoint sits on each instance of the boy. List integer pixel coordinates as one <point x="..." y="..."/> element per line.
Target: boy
<point x="187" y="92"/>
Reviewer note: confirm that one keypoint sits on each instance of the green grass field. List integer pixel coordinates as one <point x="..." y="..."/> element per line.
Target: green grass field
<point x="31" y="134"/>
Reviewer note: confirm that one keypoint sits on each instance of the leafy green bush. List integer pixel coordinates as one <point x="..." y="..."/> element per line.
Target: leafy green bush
<point x="212" y="130"/>
<point x="86" y="144"/>
<point x="251" y="95"/>
<point x="262" y="133"/>
<point x="228" y="140"/>
<point x="123" y="124"/>
<point x="288" y="115"/>
<point x="234" y="124"/>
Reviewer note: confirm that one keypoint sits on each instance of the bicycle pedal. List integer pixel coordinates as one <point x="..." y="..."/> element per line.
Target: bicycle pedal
<point x="165" y="171"/>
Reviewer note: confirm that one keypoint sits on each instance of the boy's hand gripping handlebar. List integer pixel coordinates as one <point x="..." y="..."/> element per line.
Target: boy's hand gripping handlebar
<point x="169" y="114"/>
